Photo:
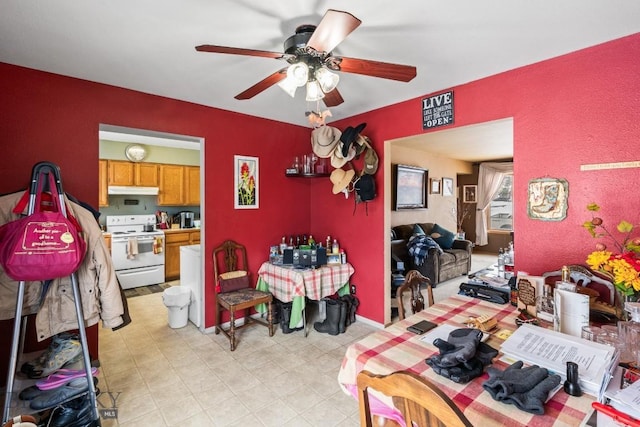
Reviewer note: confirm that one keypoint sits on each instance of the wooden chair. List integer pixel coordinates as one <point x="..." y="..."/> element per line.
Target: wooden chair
<point x="412" y="282"/>
<point x="234" y="291"/>
<point x="583" y="276"/>
<point x="421" y="402"/>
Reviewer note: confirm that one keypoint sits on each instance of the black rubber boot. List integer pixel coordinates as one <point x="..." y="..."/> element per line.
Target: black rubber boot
<point x="331" y="324"/>
<point x="343" y="316"/>
<point x="285" y="317"/>
<point x="347" y="300"/>
<point x="355" y="302"/>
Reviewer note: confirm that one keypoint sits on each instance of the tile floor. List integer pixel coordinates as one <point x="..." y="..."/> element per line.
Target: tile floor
<point x="181" y="377"/>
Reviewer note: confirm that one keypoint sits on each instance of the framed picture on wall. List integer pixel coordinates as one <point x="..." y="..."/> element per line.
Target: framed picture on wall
<point x="434" y="186"/>
<point x="410" y="187"/>
<point x="447" y="186"/>
<point x="470" y="193"/>
<point x="246" y="182"/>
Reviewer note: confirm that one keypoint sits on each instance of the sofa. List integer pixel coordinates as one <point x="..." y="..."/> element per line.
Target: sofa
<point x="450" y="260"/>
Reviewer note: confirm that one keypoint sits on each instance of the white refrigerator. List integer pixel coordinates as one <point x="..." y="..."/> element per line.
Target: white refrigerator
<point x="191" y="277"/>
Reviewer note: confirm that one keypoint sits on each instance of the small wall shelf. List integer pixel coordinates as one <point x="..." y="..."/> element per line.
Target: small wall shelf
<point x="306" y="175"/>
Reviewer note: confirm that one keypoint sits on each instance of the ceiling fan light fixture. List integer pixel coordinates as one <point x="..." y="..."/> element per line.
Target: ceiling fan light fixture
<point x="328" y="80"/>
<point x="289" y="86"/>
<point x="299" y="73"/>
<point x="314" y="92"/>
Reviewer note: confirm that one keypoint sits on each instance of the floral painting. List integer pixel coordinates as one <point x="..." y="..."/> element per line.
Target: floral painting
<point x="246" y="195"/>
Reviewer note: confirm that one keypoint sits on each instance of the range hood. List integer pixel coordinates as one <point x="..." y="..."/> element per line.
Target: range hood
<point x="132" y="191"/>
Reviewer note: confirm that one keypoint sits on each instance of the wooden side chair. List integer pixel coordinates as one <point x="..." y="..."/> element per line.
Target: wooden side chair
<point x="420" y="401"/>
<point x="412" y="283"/>
<point x="234" y="291"/>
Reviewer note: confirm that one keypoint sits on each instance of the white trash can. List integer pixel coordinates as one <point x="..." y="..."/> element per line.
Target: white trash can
<point x="177" y="299"/>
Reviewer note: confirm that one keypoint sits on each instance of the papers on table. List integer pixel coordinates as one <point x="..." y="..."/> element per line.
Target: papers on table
<point x="625" y="400"/>
<point x="552" y="350"/>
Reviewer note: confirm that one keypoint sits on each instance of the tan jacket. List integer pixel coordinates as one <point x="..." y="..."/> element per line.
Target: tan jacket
<point x="99" y="288"/>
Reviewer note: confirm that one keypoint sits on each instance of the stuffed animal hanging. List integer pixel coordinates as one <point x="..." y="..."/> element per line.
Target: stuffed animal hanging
<point x="316" y="119"/>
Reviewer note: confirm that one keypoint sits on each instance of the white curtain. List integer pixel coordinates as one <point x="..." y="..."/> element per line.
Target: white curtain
<point x="489" y="180"/>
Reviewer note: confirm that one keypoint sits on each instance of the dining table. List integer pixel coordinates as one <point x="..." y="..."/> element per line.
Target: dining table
<point x="395" y="348"/>
<point x="296" y="284"/>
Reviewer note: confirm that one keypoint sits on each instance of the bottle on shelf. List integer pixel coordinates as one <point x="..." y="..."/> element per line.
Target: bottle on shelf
<point x="335" y="248"/>
<point x="298" y="239"/>
<point x="311" y="242"/>
<point x="343" y="256"/>
<point x="291" y="241"/>
<point x="328" y="244"/>
<point x="283" y="245"/>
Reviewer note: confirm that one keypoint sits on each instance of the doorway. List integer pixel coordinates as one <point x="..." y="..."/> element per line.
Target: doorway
<point x="447" y="153"/>
<point x="162" y="149"/>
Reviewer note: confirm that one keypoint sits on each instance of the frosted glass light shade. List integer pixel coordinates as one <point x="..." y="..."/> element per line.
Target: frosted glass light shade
<point x="314" y="93"/>
<point x="299" y="73"/>
<point x="289" y="86"/>
<point x="328" y="80"/>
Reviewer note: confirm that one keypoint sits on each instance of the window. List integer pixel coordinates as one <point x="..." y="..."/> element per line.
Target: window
<point x="501" y="207"/>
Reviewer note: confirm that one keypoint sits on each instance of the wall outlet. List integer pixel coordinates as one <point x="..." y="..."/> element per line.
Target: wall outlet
<point x="353" y="289"/>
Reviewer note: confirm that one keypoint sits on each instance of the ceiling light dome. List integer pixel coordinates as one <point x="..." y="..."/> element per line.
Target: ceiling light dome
<point x="328" y="80"/>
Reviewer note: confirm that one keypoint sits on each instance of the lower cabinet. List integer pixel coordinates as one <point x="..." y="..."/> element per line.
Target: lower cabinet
<point x="173" y="240"/>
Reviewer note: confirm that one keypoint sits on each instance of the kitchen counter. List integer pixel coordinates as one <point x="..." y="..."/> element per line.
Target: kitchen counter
<point x="178" y="230"/>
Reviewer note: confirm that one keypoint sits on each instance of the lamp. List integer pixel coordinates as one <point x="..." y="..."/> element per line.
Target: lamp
<point x="328" y="80"/>
<point x="319" y="80"/>
<point x="314" y="92"/>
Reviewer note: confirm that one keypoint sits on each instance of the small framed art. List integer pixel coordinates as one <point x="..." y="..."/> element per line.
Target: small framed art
<point x="246" y="182"/>
<point x="470" y="193"/>
<point x="447" y="186"/>
<point x="434" y="186"/>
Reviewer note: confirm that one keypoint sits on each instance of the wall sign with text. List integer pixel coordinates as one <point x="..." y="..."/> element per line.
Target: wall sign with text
<point x="437" y="110"/>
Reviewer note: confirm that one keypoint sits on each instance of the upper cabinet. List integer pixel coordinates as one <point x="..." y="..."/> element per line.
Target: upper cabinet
<point x="103" y="196"/>
<point x="129" y="173"/>
<point x="192" y="185"/>
<point x="179" y="185"/>
<point x="172" y="185"/>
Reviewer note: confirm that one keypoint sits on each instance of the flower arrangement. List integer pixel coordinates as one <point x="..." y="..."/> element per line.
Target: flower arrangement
<point x="622" y="264"/>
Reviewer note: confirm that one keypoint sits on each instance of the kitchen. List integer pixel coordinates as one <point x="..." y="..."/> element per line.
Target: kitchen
<point x="150" y="209"/>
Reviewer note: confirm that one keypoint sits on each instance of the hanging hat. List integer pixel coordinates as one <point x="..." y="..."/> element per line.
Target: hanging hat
<point x="348" y="137"/>
<point x="341" y="179"/>
<point x="324" y="140"/>
<point x="360" y="144"/>
<point x="338" y="160"/>
<point x="365" y="188"/>
<point x="370" y="161"/>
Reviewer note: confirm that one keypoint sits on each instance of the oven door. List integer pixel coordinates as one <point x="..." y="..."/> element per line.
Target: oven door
<point x="136" y="251"/>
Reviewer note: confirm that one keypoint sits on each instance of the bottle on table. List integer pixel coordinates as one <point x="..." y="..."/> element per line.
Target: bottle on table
<point x="501" y="262"/>
<point x="328" y="244"/>
<point x="513" y="284"/>
<point x="312" y="242"/>
<point x="335" y="248"/>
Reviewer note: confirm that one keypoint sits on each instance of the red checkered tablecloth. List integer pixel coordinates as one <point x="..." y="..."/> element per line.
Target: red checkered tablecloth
<point x="286" y="283"/>
<point x="394" y="349"/>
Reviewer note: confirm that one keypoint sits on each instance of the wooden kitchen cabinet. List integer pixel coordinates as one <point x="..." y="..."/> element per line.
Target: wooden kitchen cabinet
<point x="179" y="185"/>
<point x="173" y="240"/>
<point x="192" y="185"/>
<point x="103" y="196"/>
<point x="129" y="173"/>
<point x="107" y="240"/>
<point x="171" y="185"/>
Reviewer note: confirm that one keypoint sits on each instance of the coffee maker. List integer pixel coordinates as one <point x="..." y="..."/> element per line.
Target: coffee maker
<point x="185" y="219"/>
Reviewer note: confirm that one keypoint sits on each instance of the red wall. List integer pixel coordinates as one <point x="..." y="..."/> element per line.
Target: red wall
<point x="49" y="117"/>
<point x="576" y="109"/>
<point x="580" y="108"/>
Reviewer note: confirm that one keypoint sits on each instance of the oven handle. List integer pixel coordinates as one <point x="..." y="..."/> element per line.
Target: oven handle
<point x="126" y="239"/>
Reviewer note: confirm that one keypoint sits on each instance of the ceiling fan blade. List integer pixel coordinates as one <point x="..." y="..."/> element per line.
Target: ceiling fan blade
<point x="263" y="85"/>
<point x="239" y="51"/>
<point x="332" y="98"/>
<point x="385" y="70"/>
<point x="334" y="27"/>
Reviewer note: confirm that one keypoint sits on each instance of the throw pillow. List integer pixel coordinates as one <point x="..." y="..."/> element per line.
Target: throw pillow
<point x="418" y="230"/>
<point x="442" y="236"/>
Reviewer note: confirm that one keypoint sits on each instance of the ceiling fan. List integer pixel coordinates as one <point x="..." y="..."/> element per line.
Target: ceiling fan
<point x="308" y="52"/>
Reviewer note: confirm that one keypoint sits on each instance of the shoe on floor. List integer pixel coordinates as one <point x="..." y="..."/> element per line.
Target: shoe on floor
<point x="64" y="349"/>
<point x="75" y="413"/>
<point x="52" y="398"/>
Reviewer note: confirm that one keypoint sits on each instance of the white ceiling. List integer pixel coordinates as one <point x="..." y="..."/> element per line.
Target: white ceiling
<point x="148" y="45"/>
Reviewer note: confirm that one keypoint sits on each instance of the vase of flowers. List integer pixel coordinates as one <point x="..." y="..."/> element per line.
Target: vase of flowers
<point x="463" y="211"/>
<point x="621" y="261"/>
